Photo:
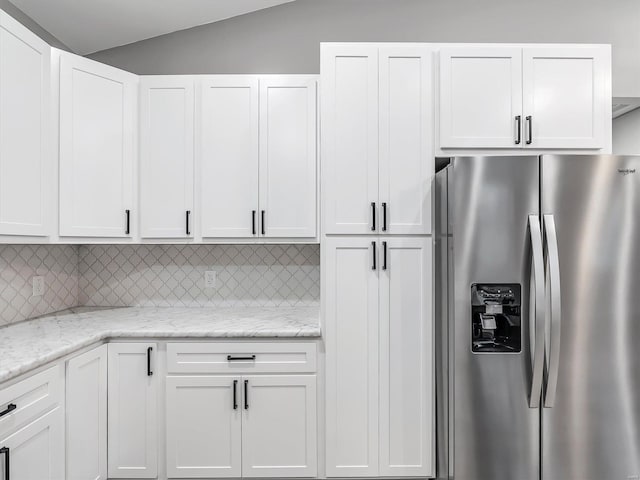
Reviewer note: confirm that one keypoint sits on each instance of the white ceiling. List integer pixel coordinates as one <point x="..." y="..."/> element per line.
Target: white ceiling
<point x="87" y="26"/>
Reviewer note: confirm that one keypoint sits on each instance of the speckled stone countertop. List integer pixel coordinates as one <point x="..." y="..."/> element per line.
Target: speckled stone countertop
<point x="28" y="345"/>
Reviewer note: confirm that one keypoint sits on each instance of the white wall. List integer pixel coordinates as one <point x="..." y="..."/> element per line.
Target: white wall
<point x="626" y="133"/>
<point x="285" y="39"/>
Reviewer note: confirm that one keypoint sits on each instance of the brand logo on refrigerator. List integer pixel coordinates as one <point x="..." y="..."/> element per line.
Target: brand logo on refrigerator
<point x="626" y="171"/>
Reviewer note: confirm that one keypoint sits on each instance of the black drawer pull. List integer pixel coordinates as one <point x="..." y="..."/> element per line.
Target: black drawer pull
<point x="234" y="358"/>
<point x="253" y="222"/>
<point x="235" y="394"/>
<point x="127" y="229"/>
<point x="5" y="451"/>
<point x="188" y="229"/>
<point x="264" y="228"/>
<point x="246" y="394"/>
<point x="384" y="255"/>
<point x="149" y="372"/>
<point x="10" y="408"/>
<point x="373" y="216"/>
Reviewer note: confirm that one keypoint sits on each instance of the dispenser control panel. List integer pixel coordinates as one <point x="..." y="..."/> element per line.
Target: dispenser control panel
<point x="496" y="318"/>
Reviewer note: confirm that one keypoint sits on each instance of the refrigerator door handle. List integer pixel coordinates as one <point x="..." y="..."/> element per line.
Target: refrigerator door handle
<point x="554" y="310"/>
<point x="537" y="303"/>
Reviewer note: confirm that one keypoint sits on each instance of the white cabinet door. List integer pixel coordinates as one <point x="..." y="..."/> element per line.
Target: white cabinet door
<point x="406" y="139"/>
<point x="132" y="406"/>
<point x="26" y="157"/>
<point x="480" y="97"/>
<point x="228" y="156"/>
<point x="288" y="155"/>
<point x="166" y="156"/>
<point x="203" y="427"/>
<point x="35" y="452"/>
<point x="406" y="358"/>
<point x="97" y="151"/>
<point x="86" y="411"/>
<point x="566" y="96"/>
<point x="349" y="137"/>
<point x="351" y="316"/>
<point x="279" y="432"/>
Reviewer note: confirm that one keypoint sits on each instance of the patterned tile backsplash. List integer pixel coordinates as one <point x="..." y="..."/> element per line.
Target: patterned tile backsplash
<point x="58" y="264"/>
<point x="173" y="275"/>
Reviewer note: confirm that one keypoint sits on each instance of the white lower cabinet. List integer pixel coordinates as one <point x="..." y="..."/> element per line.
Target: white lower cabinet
<point x="132" y="407"/>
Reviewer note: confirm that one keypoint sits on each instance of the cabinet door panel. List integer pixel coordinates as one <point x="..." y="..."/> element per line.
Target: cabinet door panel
<point x="86" y="410"/>
<point x="406" y="359"/>
<point x="203" y="428"/>
<point x="351" y="315"/>
<point x="566" y="95"/>
<point x="97" y="113"/>
<point x="349" y="137"/>
<point x="288" y="155"/>
<point x="480" y="97"/>
<point x="132" y="406"/>
<point x="25" y="151"/>
<point x="166" y="161"/>
<point x="406" y="139"/>
<point x="228" y="156"/>
<point x="279" y="426"/>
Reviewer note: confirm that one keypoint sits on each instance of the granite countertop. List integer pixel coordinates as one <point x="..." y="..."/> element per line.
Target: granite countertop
<point x="27" y="345"/>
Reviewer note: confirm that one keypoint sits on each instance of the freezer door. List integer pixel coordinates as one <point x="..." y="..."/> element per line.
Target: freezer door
<point x="592" y="431"/>
<point x="495" y="431"/>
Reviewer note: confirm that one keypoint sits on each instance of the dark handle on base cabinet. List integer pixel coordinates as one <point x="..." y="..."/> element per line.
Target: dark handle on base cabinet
<point x="10" y="408"/>
<point x="246" y="394"/>
<point x="518" y="129"/>
<point x="262" y="222"/>
<point x="529" y="129"/>
<point x="373" y="216"/>
<point x="149" y="372"/>
<point x="373" y="256"/>
<point x="253" y="222"/>
<point x="384" y="255"/>
<point x="384" y="216"/>
<point x="235" y="394"/>
<point x="127" y="230"/>
<point x="231" y="358"/>
<point x="187" y="229"/>
<point x="5" y="451"/>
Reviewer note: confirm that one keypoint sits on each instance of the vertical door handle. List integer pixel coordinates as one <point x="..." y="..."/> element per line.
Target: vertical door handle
<point x="384" y="216"/>
<point x="187" y="229"/>
<point x="384" y="255"/>
<point x="373" y="255"/>
<point x="262" y="222"/>
<point x="246" y="394"/>
<point x="10" y="408"/>
<point x="373" y="216"/>
<point x="149" y="372"/>
<point x="555" y="308"/>
<point x="6" y="452"/>
<point x="529" y="129"/>
<point x="536" y="300"/>
<point x="127" y="229"/>
<point x="253" y="222"/>
<point x="235" y="394"/>
<point x="518" y="129"/>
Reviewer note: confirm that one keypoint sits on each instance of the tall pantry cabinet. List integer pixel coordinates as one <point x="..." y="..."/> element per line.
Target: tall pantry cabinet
<point x="377" y="170"/>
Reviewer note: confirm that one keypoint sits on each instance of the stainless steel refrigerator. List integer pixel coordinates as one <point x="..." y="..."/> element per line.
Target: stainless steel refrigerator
<point x="538" y="308"/>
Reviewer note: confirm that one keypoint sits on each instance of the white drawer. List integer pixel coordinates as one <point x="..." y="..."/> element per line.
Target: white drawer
<point x="241" y="358"/>
<point x="26" y="400"/>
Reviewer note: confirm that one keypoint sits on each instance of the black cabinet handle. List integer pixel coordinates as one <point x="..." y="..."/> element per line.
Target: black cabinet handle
<point x="262" y="222"/>
<point x="10" y="408"/>
<point x="384" y="255"/>
<point x="373" y="256"/>
<point x="529" y="129"/>
<point x="384" y="216"/>
<point x="187" y="229"/>
<point x="127" y="230"/>
<point x="518" y="129"/>
<point x="234" y="358"/>
<point x="6" y="452"/>
<point x="235" y="394"/>
<point x="373" y="216"/>
<point x="246" y="394"/>
<point x="149" y="372"/>
<point x="253" y="222"/>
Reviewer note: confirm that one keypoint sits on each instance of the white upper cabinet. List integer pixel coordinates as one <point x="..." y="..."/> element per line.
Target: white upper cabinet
<point x="406" y="139"/>
<point x="166" y="156"/>
<point x="26" y="156"/>
<point x="288" y="186"/>
<point x="97" y="148"/>
<point x="228" y="156"/>
<point x="565" y="96"/>
<point x="349" y="83"/>
<point x="480" y="97"/>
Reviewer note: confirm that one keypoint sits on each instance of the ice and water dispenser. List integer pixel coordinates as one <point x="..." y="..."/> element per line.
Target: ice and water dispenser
<point x="496" y="318"/>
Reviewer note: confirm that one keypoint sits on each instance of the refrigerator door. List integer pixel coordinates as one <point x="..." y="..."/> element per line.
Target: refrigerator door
<point x="495" y="431"/>
<point x="592" y="431"/>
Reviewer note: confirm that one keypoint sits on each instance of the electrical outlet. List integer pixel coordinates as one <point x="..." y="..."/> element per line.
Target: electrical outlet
<point x="210" y="279"/>
<point x="38" y="286"/>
